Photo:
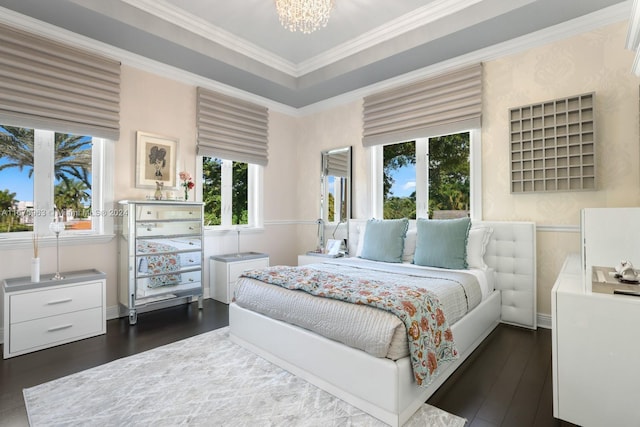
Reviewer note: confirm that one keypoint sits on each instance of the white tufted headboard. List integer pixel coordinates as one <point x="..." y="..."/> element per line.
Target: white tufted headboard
<point x="511" y="252"/>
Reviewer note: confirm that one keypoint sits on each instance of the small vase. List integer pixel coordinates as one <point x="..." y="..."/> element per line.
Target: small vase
<point x="186" y="194"/>
<point x="35" y="269"/>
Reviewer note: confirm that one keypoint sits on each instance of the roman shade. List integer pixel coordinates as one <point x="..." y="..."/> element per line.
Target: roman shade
<point x="338" y="163"/>
<point x="448" y="103"/>
<point x="231" y="129"/>
<point x="49" y="85"/>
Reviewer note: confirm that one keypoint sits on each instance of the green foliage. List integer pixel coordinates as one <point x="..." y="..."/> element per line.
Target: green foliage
<point x="7" y="200"/>
<point x="331" y="200"/>
<point x="449" y="169"/>
<point x="212" y="190"/>
<point x="70" y="194"/>
<point x="400" y="207"/>
<point x="240" y="200"/>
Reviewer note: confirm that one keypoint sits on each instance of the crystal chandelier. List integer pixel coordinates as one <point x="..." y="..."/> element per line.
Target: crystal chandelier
<point x="304" y="15"/>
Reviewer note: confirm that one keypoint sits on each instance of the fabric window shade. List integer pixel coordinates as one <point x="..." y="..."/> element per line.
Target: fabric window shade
<point x="447" y="103"/>
<point x="231" y="129"/>
<point x="338" y="164"/>
<point x="49" y="85"/>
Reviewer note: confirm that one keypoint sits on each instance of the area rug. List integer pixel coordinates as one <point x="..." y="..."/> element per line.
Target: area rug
<point x="206" y="380"/>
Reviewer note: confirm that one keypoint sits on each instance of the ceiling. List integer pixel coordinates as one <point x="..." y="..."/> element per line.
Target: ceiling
<point x="241" y="44"/>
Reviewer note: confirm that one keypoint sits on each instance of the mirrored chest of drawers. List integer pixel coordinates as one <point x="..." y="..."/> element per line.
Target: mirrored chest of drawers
<point x="160" y="254"/>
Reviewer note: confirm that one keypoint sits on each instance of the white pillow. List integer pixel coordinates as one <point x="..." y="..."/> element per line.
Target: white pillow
<point x="409" y="245"/>
<point x="361" y="230"/>
<point x="477" y="246"/>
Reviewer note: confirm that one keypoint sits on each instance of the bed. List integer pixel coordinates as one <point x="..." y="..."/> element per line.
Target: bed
<point x="382" y="386"/>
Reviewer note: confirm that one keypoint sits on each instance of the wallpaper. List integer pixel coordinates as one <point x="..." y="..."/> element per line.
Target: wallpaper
<point x="592" y="62"/>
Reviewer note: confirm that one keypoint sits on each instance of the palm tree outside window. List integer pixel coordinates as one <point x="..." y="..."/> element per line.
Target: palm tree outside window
<point x="26" y="185"/>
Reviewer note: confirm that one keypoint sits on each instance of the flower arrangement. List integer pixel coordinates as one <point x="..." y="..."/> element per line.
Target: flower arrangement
<point x="187" y="183"/>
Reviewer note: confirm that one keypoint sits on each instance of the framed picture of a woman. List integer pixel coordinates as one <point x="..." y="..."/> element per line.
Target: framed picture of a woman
<point x="156" y="160"/>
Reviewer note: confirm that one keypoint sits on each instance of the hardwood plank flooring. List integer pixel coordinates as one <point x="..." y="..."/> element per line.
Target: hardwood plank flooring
<point x="505" y="382"/>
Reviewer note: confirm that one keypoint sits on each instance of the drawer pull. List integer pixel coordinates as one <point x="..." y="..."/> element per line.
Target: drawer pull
<point x="190" y="279"/>
<point x="190" y="228"/>
<point x="58" y="328"/>
<point x="148" y="212"/>
<point x="59" y="301"/>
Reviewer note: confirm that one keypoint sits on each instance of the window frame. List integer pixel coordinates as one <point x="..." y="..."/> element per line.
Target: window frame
<point x="103" y="210"/>
<point x="422" y="175"/>
<point x="255" y="174"/>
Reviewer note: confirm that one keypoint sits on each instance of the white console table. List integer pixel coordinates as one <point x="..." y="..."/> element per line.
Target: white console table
<point x="44" y="314"/>
<point x="596" y="353"/>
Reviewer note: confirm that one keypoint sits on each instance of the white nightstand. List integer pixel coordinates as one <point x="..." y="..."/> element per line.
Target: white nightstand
<point x="44" y="314"/>
<point x="224" y="270"/>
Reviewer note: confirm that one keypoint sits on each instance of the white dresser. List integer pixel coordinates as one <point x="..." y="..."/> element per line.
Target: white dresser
<point x="596" y="353"/>
<point x="225" y="270"/>
<point x="44" y="314"/>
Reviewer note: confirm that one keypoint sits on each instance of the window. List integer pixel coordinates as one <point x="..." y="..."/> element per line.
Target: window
<point x="429" y="177"/>
<point x="30" y="199"/>
<point x="230" y="192"/>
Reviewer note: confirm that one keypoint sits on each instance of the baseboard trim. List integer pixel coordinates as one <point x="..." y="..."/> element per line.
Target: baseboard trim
<point x="544" y="320"/>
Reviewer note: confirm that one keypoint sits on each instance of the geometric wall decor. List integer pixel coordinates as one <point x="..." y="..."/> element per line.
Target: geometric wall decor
<point x="553" y="145"/>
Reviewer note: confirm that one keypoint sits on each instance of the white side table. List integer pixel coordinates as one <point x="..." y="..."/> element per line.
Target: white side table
<point x="44" y="314"/>
<point x="224" y="270"/>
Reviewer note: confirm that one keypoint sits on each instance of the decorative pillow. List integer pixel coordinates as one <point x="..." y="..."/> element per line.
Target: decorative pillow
<point x="409" y="245"/>
<point x="477" y="246"/>
<point x="442" y="243"/>
<point x="384" y="239"/>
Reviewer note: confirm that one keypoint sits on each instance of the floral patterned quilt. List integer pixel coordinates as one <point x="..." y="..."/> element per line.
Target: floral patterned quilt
<point x="428" y="332"/>
<point x="162" y="265"/>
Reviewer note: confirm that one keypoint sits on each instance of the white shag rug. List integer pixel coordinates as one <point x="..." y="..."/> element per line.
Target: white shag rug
<point x="205" y="380"/>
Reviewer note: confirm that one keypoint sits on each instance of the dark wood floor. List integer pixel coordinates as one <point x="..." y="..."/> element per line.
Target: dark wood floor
<point x="505" y="382"/>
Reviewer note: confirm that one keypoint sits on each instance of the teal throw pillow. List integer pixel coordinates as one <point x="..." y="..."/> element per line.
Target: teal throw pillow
<point x="384" y="239"/>
<point x="442" y="243"/>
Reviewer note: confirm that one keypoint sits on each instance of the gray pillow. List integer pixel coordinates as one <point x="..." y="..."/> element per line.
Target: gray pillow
<point x="384" y="239"/>
<point x="442" y="243"/>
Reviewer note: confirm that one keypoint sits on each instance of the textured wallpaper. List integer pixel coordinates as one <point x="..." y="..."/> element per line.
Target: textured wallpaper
<point x="592" y="62"/>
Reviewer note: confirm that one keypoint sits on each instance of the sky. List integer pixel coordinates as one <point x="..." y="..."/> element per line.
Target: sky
<point x="405" y="181"/>
<point x="17" y="182"/>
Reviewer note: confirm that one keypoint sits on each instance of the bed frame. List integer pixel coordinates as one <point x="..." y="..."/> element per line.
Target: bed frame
<point x="382" y="387"/>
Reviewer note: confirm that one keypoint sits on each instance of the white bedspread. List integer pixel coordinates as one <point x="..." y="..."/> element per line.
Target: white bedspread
<point x="375" y="331"/>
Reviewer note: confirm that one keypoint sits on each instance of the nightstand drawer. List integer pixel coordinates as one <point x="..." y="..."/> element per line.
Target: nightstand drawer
<point x="51" y="302"/>
<point x="31" y="335"/>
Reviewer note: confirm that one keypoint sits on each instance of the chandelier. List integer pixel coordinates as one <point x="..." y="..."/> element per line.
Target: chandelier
<point x="304" y="15"/>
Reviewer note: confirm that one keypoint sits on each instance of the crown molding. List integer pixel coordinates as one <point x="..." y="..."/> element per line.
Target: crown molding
<point x="170" y="13"/>
<point x="417" y="18"/>
<point x="420" y="17"/>
<point x="610" y="15"/>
